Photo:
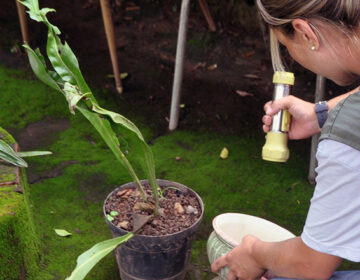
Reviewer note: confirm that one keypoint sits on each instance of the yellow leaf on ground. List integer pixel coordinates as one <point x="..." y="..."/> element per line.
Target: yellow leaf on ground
<point x="224" y="153"/>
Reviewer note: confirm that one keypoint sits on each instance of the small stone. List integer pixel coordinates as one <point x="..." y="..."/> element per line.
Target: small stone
<point x="155" y="222"/>
<point x="178" y="158"/>
<point x="191" y="210"/>
<point x="161" y="212"/>
<point x="123" y="224"/>
<point x="124" y="193"/>
<point x="136" y="193"/>
<point x="178" y="208"/>
<point x="143" y="206"/>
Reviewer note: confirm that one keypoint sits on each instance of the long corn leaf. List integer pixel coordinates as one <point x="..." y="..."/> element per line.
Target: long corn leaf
<point x="40" y="69"/>
<point x="87" y="260"/>
<point x="9" y="155"/>
<point x="34" y="153"/>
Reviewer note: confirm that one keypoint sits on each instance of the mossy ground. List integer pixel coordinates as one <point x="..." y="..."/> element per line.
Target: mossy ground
<point x="87" y="172"/>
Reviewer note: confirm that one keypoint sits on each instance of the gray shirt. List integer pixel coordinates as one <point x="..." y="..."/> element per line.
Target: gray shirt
<point x="333" y="222"/>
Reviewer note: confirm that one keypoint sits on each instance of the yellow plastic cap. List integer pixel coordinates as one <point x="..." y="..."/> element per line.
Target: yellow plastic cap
<point x="281" y="77"/>
<point x="275" y="148"/>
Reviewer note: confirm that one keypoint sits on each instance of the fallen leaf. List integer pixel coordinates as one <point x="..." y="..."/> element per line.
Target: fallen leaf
<point x="199" y="65"/>
<point x="251" y="76"/>
<point x="62" y="232"/>
<point x="248" y="54"/>
<point x="224" y="153"/>
<point x="123" y="75"/>
<point x="212" y="67"/>
<point x="244" y="93"/>
<point x="132" y="8"/>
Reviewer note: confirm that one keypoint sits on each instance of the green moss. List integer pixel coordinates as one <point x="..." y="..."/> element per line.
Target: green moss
<point x="4" y="135"/>
<point x="26" y="99"/>
<point x="7" y="173"/>
<point x="19" y="243"/>
<point x="10" y="201"/>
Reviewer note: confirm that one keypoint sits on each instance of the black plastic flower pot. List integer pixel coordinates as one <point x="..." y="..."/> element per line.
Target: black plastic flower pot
<point x="155" y="257"/>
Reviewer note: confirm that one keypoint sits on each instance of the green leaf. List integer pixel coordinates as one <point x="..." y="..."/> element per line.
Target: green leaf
<point x="119" y="119"/>
<point x="65" y="62"/>
<point x="39" y="15"/>
<point x="73" y="96"/>
<point x="34" y="153"/>
<point x="114" y="213"/>
<point x="141" y="148"/>
<point x="62" y="232"/>
<point x="87" y="260"/>
<point x="103" y="126"/>
<point x="109" y="217"/>
<point x="39" y="68"/>
<point x="9" y="155"/>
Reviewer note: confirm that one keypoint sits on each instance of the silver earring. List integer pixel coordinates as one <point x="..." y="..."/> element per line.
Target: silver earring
<point x="313" y="48"/>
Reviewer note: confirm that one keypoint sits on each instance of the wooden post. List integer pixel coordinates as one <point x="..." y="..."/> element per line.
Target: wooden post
<point x="205" y="9"/>
<point x="23" y="22"/>
<point x="110" y="37"/>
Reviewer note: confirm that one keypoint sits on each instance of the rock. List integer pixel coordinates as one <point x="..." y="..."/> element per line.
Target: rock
<point x="123" y="224"/>
<point x="161" y="212"/>
<point x="143" y="206"/>
<point x="136" y="193"/>
<point x="178" y="208"/>
<point x="155" y="222"/>
<point x="124" y="193"/>
<point x="191" y="210"/>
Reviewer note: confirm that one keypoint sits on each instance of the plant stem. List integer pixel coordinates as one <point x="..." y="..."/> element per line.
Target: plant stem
<point x="133" y="175"/>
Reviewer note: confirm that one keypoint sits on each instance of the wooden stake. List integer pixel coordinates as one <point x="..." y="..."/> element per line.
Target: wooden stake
<point x="205" y="9"/>
<point x="110" y="37"/>
<point x="23" y="22"/>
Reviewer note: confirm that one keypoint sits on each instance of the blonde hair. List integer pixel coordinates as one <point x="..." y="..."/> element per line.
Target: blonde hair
<point x="341" y="14"/>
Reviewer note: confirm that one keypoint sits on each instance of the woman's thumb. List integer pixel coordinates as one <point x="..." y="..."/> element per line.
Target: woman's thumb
<point x="279" y="104"/>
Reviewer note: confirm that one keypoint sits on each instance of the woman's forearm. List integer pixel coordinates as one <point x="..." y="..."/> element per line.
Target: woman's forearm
<point x="293" y="259"/>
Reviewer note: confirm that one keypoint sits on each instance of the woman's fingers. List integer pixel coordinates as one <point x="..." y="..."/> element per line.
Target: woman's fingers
<point x="231" y="276"/>
<point x="218" y="264"/>
<point x="267" y="120"/>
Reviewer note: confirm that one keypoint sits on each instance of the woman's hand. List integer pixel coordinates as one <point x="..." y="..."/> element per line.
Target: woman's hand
<point x="240" y="261"/>
<point x="304" y="122"/>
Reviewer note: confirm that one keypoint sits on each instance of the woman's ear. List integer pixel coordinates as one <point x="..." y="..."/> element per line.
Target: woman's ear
<point x="305" y="33"/>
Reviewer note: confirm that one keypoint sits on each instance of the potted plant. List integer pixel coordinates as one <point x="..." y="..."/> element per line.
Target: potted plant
<point x="156" y="218"/>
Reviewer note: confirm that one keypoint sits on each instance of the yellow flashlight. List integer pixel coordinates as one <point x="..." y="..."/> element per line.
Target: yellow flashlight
<point x="276" y="148"/>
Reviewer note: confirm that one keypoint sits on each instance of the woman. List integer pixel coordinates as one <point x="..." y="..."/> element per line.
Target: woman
<point x="324" y="37"/>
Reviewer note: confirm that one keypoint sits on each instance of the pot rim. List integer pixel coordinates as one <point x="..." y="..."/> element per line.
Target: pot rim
<point x="160" y="182"/>
<point x="232" y="242"/>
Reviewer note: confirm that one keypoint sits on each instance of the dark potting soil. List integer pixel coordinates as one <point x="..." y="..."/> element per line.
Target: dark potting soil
<point x="178" y="210"/>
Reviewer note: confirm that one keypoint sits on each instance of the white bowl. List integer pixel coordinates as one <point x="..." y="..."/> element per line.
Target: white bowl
<point x="230" y="228"/>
